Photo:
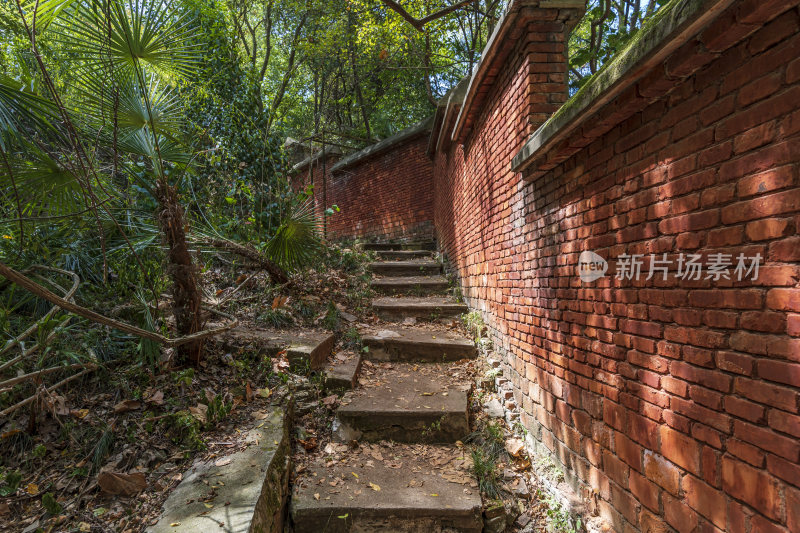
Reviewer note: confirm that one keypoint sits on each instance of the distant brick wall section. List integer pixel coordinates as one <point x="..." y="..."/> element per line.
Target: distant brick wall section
<point x="387" y="196"/>
<point x="676" y="402"/>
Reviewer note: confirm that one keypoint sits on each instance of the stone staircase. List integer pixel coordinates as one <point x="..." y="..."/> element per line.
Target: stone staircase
<point x="412" y="403"/>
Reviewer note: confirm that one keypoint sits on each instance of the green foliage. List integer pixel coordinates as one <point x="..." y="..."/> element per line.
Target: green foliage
<point x="488" y="448"/>
<point x="10" y="483"/>
<point x="296" y="242"/>
<point x="473" y="321"/>
<point x="50" y="504"/>
<point x="184" y="429"/>
<point x="218" y="410"/>
<point x="606" y="28"/>
<point x="276" y="318"/>
<point x="332" y="317"/>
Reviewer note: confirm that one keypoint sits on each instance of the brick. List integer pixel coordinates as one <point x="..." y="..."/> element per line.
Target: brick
<point x="763" y="206"/>
<point x="774" y="32"/>
<point x="776" y="106"/>
<point x="786" y="470"/>
<point x="628" y="451"/>
<point x="735" y="362"/>
<point x="793" y="509"/>
<point x="644" y="491"/>
<point x="661" y="472"/>
<point x="759" y="89"/>
<point x="680" y="516"/>
<point x="785" y="422"/>
<point x="765" y="321"/>
<point x="767" y="440"/>
<point x="704" y="499"/>
<point x="744" y="409"/>
<point x="780" y="371"/>
<point x="769" y="228"/>
<point x="784" y="299"/>
<point x="730" y="299"/>
<point x="761" y="525"/>
<point x="680" y="449"/>
<point x="746" y="452"/>
<point x="725" y="31"/>
<point x="755" y="137"/>
<point x="793" y="325"/>
<point x="754" y="487"/>
<point x="785" y="250"/>
<point x="761" y="11"/>
<point x="702" y="376"/>
<point x="770" y="180"/>
<point x="767" y="393"/>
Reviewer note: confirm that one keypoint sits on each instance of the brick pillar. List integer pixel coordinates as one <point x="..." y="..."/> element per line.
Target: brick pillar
<point x="545" y="56"/>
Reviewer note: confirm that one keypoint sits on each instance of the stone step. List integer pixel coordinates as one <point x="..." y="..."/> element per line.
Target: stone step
<point x="342" y="375"/>
<point x="414" y="344"/>
<point x="405" y="403"/>
<point x="246" y="493"/>
<point x="416" y="285"/>
<point x="394" y="255"/>
<point x="405" y="268"/>
<point x="427" y="308"/>
<point x="417" y="494"/>
<point x="305" y="349"/>
<point x="417" y="245"/>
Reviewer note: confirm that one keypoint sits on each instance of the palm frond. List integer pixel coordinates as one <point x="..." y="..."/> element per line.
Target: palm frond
<point x="297" y="240"/>
<point x="44" y="185"/>
<point x="23" y="111"/>
<point x="129" y="34"/>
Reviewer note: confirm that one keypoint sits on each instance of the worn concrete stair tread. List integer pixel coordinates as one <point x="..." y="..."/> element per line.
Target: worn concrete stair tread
<point x="246" y="493"/>
<point x="342" y="374"/>
<point x="417" y="344"/>
<point x="397" y="285"/>
<point x="413" y="498"/>
<point x="393" y="255"/>
<point x="407" y="404"/>
<point x="303" y="347"/>
<point x="414" y="245"/>
<point x="430" y="307"/>
<point x="405" y="268"/>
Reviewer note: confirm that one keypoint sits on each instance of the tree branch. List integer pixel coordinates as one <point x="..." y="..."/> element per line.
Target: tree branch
<point x="419" y="23"/>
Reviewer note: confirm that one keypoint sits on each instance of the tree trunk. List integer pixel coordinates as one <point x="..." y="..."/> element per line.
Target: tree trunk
<point x="185" y="293"/>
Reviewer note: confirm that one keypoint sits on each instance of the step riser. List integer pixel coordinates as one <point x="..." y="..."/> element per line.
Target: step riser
<point x="389" y="246"/>
<point x="407" y="427"/>
<point x="401" y="270"/>
<point x="399" y="520"/>
<point x="393" y="255"/>
<point x="424" y="314"/>
<point x="399" y="351"/>
<point x="427" y="289"/>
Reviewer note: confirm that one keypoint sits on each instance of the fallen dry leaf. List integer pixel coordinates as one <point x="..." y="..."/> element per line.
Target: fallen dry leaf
<point x="32" y="489"/>
<point x="200" y="412"/>
<point x="79" y="413"/>
<point x="127" y="405"/>
<point x="121" y="484"/>
<point x="374" y="487"/>
<point x="157" y="398"/>
<point x="515" y="446"/>
<point x="222" y="462"/>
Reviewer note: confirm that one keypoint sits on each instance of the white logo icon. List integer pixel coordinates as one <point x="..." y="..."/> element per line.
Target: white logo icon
<point x="591" y="266"/>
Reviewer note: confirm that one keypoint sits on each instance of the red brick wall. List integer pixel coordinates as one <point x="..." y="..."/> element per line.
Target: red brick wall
<point x="385" y="196"/>
<point x="676" y="401"/>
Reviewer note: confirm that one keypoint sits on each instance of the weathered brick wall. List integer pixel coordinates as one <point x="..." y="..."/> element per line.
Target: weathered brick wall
<point x="385" y="196"/>
<point x="675" y="401"/>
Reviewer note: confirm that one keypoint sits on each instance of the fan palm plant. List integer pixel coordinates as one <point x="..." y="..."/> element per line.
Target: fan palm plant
<point x="120" y="117"/>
